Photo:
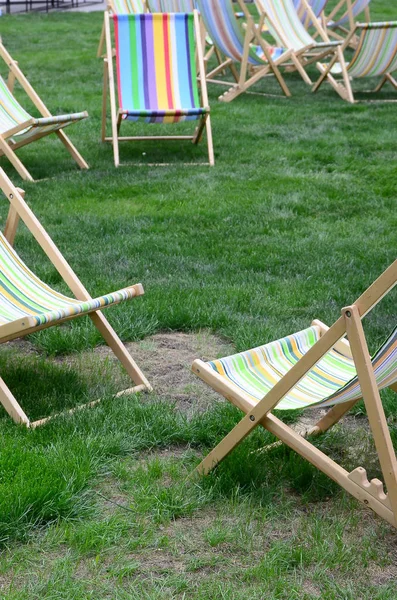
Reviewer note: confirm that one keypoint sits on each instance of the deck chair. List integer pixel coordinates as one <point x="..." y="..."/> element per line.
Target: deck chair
<point x="28" y="305"/>
<point x="287" y="29"/>
<point x="316" y="367"/>
<point x="18" y="127"/>
<point x="121" y="7"/>
<point x="375" y="56"/>
<point x="246" y="48"/>
<point x="156" y="79"/>
<point x="344" y="16"/>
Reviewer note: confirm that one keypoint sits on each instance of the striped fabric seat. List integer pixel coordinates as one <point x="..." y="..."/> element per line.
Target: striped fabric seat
<point x="375" y="56"/>
<point x="286" y="27"/>
<point x="127" y="7"/>
<point x="376" y="52"/>
<point x="156" y="71"/>
<point x="332" y="381"/>
<point x="357" y="7"/>
<point x="12" y="114"/>
<point x="22" y="294"/>
<point x="227" y="34"/>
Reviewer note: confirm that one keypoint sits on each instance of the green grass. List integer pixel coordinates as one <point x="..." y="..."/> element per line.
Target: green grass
<point x="296" y="218"/>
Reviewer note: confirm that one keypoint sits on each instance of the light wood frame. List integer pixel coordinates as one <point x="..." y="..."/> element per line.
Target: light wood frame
<point x="300" y="59"/>
<point x="7" y="147"/>
<point x="356" y="483"/>
<point x="343" y="87"/>
<point x="204" y="123"/>
<point x="20" y="210"/>
<point x="348" y="4"/>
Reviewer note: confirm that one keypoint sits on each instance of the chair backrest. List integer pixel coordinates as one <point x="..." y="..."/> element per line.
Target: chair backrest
<point x="317" y="7"/>
<point x="11" y="112"/>
<point x="127" y="7"/>
<point x="171" y="6"/>
<point x="376" y="53"/>
<point x="155" y="56"/>
<point x="357" y="7"/>
<point x="224" y="30"/>
<point x="284" y="24"/>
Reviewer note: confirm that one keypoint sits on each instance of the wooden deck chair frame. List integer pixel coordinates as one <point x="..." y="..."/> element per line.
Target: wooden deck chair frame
<point x="15" y="74"/>
<point x="369" y="493"/>
<point x="345" y="91"/>
<point x="309" y="54"/>
<point x="116" y="116"/>
<point x="352" y="21"/>
<point x="248" y="74"/>
<point x="19" y="210"/>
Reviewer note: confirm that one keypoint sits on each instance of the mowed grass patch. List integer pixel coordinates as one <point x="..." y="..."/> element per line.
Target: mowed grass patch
<point x="295" y="220"/>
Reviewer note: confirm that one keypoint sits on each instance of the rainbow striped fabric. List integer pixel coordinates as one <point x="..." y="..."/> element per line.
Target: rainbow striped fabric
<point x="127" y="7"/>
<point x="171" y="6"/>
<point x="333" y="380"/>
<point x="12" y="114"/>
<point x="156" y="69"/>
<point x="286" y="27"/>
<point x="227" y="34"/>
<point x="357" y="7"/>
<point x="22" y="294"/>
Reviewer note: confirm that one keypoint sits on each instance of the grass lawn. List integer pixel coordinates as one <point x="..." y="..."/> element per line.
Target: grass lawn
<point x="295" y="220"/>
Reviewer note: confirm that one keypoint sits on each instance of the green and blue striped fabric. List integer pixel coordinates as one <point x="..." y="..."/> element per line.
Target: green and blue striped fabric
<point x="127" y="7"/>
<point x="287" y="28"/>
<point x="22" y="294"/>
<point x="12" y="114"/>
<point x="171" y="6"/>
<point x="228" y="35"/>
<point x="376" y="53"/>
<point x="332" y="381"/>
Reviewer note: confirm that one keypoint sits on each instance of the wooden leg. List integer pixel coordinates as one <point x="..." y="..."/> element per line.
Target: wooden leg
<point x="301" y="70"/>
<point x="393" y="387"/>
<point x="373" y="403"/>
<point x="332" y="417"/>
<point x="121" y="352"/>
<point x="387" y="78"/>
<point x="101" y="42"/>
<point x="14" y="160"/>
<point x="104" y="99"/>
<point x="12" y="222"/>
<point x="73" y="151"/>
<point x="11" y="405"/>
<point x="346" y="78"/>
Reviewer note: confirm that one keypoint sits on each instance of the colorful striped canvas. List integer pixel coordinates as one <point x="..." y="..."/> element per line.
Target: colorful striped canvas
<point x="376" y="53"/>
<point x="225" y="31"/>
<point x="12" y="114"/>
<point x="156" y="69"/>
<point x="284" y="24"/>
<point x="357" y="7"/>
<point x="332" y="381"/>
<point x="127" y="7"/>
<point x="171" y="6"/>
<point x="22" y="294"/>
